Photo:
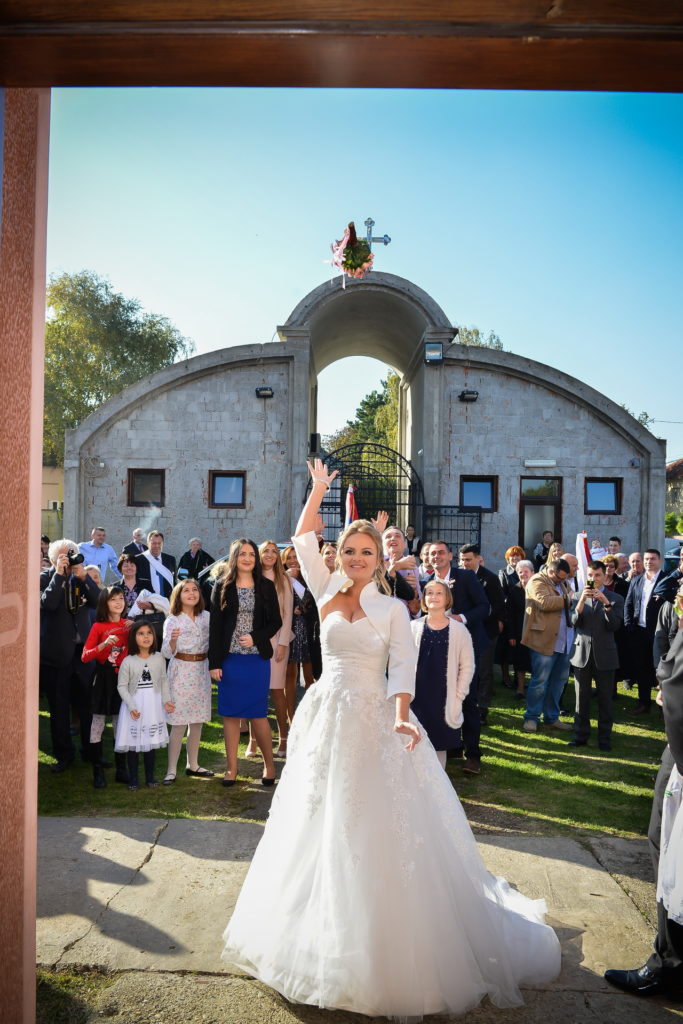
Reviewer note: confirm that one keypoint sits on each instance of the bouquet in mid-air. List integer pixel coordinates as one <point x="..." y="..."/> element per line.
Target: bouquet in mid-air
<point x="352" y="254"/>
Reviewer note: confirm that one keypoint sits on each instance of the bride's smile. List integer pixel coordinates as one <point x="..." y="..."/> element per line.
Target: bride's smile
<point x="359" y="559"/>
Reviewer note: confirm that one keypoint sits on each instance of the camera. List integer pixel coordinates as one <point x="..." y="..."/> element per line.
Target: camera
<point x="590" y="584"/>
<point x="75" y="557"/>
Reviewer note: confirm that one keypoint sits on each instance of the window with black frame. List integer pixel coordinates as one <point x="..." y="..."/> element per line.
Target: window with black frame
<point x="227" y="488"/>
<point x="602" y="496"/>
<point x="147" y="488"/>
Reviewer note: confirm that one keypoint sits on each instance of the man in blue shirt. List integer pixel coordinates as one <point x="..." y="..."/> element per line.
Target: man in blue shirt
<point x="98" y="552"/>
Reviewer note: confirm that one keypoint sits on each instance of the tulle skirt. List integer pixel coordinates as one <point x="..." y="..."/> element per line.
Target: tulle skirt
<point x="149" y="731"/>
<point x="367" y="892"/>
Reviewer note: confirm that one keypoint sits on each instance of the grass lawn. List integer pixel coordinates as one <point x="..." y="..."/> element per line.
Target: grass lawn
<point x="531" y="783"/>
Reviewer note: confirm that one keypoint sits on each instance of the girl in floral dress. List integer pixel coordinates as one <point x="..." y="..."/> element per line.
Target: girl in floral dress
<point x="186" y="643"/>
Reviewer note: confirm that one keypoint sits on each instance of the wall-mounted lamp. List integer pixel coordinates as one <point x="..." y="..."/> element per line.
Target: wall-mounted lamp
<point x="433" y="353"/>
<point x="264" y="392"/>
<point x="468" y="396"/>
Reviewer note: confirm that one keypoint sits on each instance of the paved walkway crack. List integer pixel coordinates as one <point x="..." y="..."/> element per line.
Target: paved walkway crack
<point x="105" y="906"/>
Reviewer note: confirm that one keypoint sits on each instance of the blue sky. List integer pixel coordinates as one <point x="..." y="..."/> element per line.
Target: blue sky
<point x="554" y="219"/>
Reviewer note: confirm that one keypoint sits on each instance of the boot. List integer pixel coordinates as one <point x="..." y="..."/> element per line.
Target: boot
<point x="98" y="778"/>
<point x="148" y="760"/>
<point x="121" y="768"/>
<point x="132" y="758"/>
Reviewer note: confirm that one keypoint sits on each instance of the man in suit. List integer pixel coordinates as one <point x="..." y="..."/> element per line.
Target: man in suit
<point x="663" y="971"/>
<point x="640" y="619"/>
<point x="156" y="570"/>
<point x="66" y="594"/>
<point x="137" y="545"/>
<point x="470" y="558"/>
<point x="471" y="607"/>
<point x="667" y="586"/>
<point x="596" y="615"/>
<point x="548" y="634"/>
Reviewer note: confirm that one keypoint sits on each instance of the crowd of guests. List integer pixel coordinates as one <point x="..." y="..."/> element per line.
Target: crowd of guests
<point x="144" y="650"/>
<point x="138" y="639"/>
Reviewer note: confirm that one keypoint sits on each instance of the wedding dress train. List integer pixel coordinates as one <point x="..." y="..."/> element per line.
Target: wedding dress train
<point x="367" y="891"/>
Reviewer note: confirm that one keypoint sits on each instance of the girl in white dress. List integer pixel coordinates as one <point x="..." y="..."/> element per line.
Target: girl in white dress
<point x="143" y="689"/>
<point x="368" y="877"/>
<point x="186" y="643"/>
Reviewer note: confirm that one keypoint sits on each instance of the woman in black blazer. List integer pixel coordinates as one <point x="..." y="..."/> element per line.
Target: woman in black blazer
<point x="245" y="614"/>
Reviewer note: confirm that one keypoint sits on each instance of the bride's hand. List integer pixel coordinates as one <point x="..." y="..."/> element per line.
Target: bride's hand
<point x="409" y="729"/>
<point x="320" y="473"/>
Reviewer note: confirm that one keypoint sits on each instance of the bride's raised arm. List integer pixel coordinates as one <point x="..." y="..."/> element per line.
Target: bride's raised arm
<point x="321" y="480"/>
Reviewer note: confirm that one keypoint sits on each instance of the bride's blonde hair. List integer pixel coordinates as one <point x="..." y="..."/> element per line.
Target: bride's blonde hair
<point x="365" y="527"/>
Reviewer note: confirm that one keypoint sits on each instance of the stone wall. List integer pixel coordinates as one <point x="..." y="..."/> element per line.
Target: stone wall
<point x="208" y="422"/>
<point x="516" y="419"/>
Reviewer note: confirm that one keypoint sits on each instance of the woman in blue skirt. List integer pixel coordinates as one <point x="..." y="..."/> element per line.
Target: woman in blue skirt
<point x="245" y="614"/>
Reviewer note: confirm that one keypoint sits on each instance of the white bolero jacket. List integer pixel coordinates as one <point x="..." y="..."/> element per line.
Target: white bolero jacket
<point x="459" y="667"/>
<point x="388" y="616"/>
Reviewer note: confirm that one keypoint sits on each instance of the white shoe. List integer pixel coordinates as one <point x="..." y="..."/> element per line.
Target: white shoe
<point x="530" y="725"/>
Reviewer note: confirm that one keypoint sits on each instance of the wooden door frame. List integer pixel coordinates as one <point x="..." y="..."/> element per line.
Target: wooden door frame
<point x="619" y="45"/>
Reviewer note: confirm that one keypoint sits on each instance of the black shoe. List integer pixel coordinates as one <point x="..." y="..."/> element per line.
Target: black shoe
<point x="578" y="743"/>
<point x="98" y="779"/>
<point x="199" y="773"/>
<point x="61" y="766"/>
<point x="267" y="782"/>
<point x="152" y="782"/>
<point x="641" y="982"/>
<point x="605" y="746"/>
<point x="228" y="782"/>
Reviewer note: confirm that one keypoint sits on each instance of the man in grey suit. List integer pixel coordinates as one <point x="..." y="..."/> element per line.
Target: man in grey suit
<point x="596" y="614"/>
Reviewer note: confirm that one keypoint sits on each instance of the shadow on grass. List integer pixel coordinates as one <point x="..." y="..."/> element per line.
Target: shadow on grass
<point x="68" y="997"/>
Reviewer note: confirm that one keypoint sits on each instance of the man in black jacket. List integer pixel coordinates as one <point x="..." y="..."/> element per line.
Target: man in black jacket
<point x="137" y="545"/>
<point x="597" y="615"/>
<point x="663" y="972"/>
<point x="66" y="593"/>
<point x="641" y="610"/>
<point x="156" y="570"/>
<point x="470" y="558"/>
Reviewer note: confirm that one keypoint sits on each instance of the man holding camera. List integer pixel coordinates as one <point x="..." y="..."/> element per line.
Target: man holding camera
<point x="596" y="615"/>
<point x="66" y="593"/>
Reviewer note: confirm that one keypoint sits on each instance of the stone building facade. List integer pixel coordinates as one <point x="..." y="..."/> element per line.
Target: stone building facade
<point x="195" y="450"/>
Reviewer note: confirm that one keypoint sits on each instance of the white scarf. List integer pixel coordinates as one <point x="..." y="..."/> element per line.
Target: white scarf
<point x="299" y="588"/>
<point x="157" y="566"/>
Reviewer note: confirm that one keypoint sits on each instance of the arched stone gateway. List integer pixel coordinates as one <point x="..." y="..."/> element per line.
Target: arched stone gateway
<point x="194" y="449"/>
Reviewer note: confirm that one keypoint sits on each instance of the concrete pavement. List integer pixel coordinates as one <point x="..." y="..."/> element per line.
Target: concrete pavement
<point x="149" y="899"/>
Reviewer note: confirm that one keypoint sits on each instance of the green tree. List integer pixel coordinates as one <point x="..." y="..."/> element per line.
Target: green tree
<point x="670" y="523"/>
<point x="386" y="418"/>
<point x="97" y="342"/>
<point x="376" y="418"/>
<point x="473" y="336"/>
<point x="643" y="417"/>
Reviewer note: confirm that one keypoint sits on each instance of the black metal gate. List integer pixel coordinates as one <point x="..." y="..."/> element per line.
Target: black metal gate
<point x="384" y="480"/>
<point x="454" y="525"/>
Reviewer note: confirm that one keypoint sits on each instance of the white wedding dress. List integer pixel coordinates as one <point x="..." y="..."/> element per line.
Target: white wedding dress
<point x="367" y="891"/>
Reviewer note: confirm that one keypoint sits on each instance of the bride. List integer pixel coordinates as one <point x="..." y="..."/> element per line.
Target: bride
<point x="367" y="891"/>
